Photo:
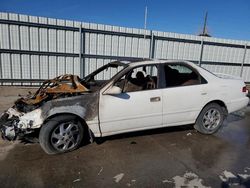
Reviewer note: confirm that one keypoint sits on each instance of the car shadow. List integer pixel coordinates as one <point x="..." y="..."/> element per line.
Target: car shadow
<point x="145" y="133"/>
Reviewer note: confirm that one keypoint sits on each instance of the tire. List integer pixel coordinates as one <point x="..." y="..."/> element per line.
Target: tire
<point x="61" y="134"/>
<point x="210" y="119"/>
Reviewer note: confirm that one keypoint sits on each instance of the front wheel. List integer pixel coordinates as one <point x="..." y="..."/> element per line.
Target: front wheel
<point x="210" y="119"/>
<point x="61" y="134"/>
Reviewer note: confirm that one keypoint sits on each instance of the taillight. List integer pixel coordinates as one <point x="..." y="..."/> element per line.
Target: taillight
<point x="244" y="89"/>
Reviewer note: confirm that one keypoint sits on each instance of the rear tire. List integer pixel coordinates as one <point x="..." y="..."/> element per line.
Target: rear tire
<point x="61" y="134"/>
<point x="210" y="119"/>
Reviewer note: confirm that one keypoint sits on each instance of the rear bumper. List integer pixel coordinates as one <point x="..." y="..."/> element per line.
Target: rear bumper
<point x="238" y="104"/>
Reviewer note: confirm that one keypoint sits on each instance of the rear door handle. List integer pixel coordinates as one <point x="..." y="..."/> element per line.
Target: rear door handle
<point x="155" y="99"/>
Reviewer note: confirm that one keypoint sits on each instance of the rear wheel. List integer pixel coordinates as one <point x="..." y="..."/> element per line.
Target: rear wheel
<point x="210" y="119"/>
<point x="61" y="134"/>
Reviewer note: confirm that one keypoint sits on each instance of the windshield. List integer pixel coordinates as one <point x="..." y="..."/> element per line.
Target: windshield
<point x="102" y="75"/>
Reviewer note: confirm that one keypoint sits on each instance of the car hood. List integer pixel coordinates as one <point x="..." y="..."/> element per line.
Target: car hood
<point x="59" y="87"/>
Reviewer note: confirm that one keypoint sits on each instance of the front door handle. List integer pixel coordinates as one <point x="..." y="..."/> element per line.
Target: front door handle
<point x="155" y="99"/>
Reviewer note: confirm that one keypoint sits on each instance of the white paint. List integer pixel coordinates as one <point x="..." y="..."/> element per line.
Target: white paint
<point x="227" y="76"/>
<point x="25" y="118"/>
<point x="133" y="111"/>
<point x="118" y="177"/>
<point x="129" y="111"/>
<point x="189" y="179"/>
<point x="35" y="116"/>
<point x="13" y="112"/>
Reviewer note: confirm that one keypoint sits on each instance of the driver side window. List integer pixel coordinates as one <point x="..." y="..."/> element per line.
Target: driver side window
<point x="139" y="79"/>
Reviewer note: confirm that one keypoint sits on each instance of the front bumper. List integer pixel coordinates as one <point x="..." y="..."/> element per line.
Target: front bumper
<point x="14" y="124"/>
<point x="8" y="126"/>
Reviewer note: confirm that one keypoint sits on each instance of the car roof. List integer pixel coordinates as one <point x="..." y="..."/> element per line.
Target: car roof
<point x="153" y="61"/>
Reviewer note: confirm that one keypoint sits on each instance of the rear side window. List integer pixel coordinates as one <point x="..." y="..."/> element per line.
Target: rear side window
<point x="181" y="75"/>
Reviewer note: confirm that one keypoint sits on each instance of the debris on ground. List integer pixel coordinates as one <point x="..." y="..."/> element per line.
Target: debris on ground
<point x="167" y="181"/>
<point x="76" y="180"/>
<point x="100" y="171"/>
<point x="189" y="179"/>
<point x="131" y="183"/>
<point x="118" y="177"/>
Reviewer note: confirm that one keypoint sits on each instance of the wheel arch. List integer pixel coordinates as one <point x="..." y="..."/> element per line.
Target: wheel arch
<point x="88" y="131"/>
<point x="217" y="101"/>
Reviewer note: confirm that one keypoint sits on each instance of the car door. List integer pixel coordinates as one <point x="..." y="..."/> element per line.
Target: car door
<point x="136" y="108"/>
<point x="183" y="94"/>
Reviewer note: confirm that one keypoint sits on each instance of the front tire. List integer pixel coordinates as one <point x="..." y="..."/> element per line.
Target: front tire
<point x="61" y="134"/>
<point x="210" y="119"/>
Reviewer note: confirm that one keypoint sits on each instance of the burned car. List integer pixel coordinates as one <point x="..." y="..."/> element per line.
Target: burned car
<point x="140" y="95"/>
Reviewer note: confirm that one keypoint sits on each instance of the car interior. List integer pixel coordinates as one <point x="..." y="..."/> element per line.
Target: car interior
<point x="140" y="79"/>
<point x="180" y="76"/>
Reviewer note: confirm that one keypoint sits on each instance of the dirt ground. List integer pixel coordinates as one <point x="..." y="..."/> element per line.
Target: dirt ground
<point x="168" y="157"/>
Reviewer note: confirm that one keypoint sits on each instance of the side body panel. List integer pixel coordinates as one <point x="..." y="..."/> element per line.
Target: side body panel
<point x="233" y="96"/>
<point x="182" y="105"/>
<point x="130" y="111"/>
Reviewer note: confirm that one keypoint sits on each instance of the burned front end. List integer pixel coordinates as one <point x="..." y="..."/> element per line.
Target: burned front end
<point x="28" y="113"/>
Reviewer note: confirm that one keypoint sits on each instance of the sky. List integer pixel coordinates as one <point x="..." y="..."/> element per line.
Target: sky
<point x="226" y="18"/>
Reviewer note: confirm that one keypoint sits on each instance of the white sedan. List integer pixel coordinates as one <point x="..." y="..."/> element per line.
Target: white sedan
<point x="143" y="95"/>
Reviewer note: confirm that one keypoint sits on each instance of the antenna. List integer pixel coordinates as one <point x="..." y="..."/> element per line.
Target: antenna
<point x="205" y="25"/>
<point x="205" y="31"/>
<point x="145" y="20"/>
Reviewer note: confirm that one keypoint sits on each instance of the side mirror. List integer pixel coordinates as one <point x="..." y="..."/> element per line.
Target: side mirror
<point x="114" y="90"/>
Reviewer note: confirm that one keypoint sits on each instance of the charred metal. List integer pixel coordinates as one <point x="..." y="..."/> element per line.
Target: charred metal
<point x="64" y="94"/>
<point x="61" y="86"/>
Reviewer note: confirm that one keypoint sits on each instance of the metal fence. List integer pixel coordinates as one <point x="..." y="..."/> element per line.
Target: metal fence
<point x="33" y="49"/>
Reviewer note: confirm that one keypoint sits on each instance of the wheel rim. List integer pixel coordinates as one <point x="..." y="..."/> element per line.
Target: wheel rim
<point x="211" y="119"/>
<point x="65" y="136"/>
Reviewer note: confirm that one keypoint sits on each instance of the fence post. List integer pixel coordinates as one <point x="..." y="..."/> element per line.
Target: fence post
<point x="201" y="52"/>
<point x="81" y="52"/>
<point x="1" y="69"/>
<point x="152" y="45"/>
<point x="243" y="60"/>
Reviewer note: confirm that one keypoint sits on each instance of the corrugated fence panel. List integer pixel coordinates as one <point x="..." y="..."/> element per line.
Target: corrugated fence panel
<point x="222" y="54"/>
<point x="42" y="48"/>
<point x="44" y="67"/>
<point x="247" y="58"/>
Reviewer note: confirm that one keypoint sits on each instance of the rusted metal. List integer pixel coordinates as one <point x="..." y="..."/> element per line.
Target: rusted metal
<point x="64" y="84"/>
